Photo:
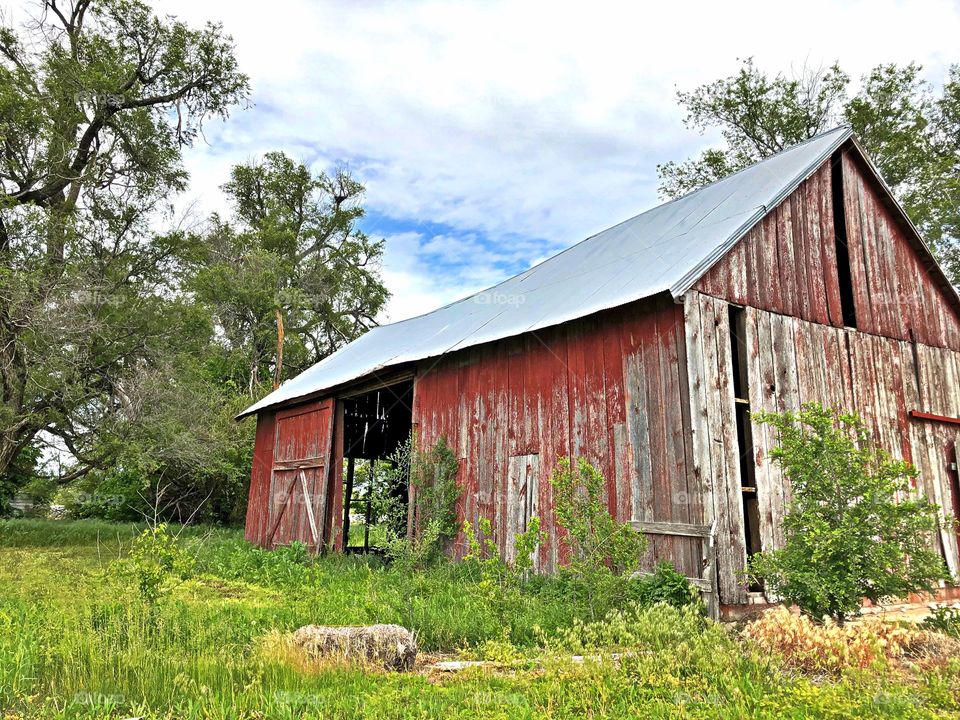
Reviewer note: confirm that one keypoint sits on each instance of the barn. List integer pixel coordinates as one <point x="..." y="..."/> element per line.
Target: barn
<point x="643" y="349"/>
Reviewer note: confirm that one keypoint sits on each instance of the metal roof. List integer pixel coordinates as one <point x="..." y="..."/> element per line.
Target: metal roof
<point x="665" y="249"/>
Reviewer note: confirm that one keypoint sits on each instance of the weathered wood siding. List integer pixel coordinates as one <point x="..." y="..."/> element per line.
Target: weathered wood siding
<point x="282" y="506"/>
<point x="258" y="498"/>
<point x="610" y="388"/>
<point x="792" y="361"/>
<point x="788" y="264"/>
<point x="713" y="432"/>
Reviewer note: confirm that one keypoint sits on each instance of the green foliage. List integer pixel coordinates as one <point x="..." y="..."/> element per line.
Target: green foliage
<point x="177" y="448"/>
<point x="24" y="475"/>
<point x="502" y="583"/>
<point x="97" y="100"/>
<point x="636" y="627"/>
<point x="604" y="553"/>
<point x="156" y="562"/>
<point x="72" y="646"/>
<point x="291" y="250"/>
<point x="944" y="620"/>
<point x="666" y="586"/>
<point x="432" y="475"/>
<point x="855" y="528"/>
<point x="912" y="134"/>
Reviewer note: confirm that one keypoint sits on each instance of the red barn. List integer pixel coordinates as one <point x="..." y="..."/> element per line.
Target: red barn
<point x="643" y="349"/>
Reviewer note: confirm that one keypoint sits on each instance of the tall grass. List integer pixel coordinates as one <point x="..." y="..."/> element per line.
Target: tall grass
<point x="76" y="642"/>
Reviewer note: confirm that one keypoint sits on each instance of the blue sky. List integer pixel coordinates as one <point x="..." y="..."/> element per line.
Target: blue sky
<point x="492" y="135"/>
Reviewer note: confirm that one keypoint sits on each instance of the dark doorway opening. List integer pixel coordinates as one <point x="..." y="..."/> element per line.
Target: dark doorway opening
<point x="741" y="397"/>
<point x="376" y="425"/>
<point x="953" y="464"/>
<point x="844" y="275"/>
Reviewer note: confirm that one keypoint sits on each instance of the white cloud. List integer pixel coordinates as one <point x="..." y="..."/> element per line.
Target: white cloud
<point x="538" y="121"/>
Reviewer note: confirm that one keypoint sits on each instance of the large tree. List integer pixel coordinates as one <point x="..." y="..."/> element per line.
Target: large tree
<point x="911" y="132"/>
<point x="289" y="277"/>
<point x="97" y="99"/>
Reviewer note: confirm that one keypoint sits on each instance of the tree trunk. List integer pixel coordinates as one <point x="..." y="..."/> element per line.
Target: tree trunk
<point x="278" y="370"/>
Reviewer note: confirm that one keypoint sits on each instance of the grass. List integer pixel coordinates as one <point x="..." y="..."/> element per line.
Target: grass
<point x="77" y="642"/>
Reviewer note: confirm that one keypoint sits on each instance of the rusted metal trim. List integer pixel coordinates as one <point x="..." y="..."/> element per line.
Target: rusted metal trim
<point x="917" y="414"/>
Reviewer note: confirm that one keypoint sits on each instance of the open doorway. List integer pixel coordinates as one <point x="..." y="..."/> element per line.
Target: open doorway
<point x="376" y="425"/>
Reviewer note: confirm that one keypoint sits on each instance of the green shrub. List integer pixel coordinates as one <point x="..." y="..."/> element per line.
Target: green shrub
<point x="604" y="553"/>
<point x="852" y="529"/>
<point x="666" y="586"/>
<point x="636" y="627"/>
<point x="944" y="620"/>
<point x="156" y="562"/>
<point x="432" y="475"/>
<point x="501" y="583"/>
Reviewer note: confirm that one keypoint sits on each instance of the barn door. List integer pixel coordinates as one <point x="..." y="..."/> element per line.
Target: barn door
<point x="523" y="489"/>
<point x="299" y="486"/>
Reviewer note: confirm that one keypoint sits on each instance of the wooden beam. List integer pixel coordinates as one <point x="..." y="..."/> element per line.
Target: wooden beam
<point x="930" y="416"/>
<point x="671" y="528"/>
<point x="309" y="504"/>
<point x="348" y="496"/>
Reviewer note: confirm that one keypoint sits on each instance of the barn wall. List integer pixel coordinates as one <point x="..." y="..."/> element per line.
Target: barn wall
<point x="787" y="264"/>
<point x="258" y="499"/>
<point x="293" y="440"/>
<point x="792" y="361"/>
<point x="610" y="388"/>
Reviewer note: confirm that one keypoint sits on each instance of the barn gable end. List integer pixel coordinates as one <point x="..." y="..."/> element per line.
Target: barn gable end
<point x="790" y="262"/>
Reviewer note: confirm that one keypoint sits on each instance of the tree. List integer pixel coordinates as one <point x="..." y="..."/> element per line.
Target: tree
<point x="911" y="134"/>
<point x="604" y="553"/>
<point x="855" y="527"/>
<point x="289" y="277"/>
<point x="97" y="100"/>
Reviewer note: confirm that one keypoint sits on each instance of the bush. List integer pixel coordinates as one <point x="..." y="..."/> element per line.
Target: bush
<point x="803" y="645"/>
<point x="848" y="537"/>
<point x="156" y="563"/>
<point x="945" y="620"/>
<point x="604" y="553"/>
<point x="668" y="587"/>
<point x="432" y="474"/>
<point x="637" y="627"/>
<point x="501" y="583"/>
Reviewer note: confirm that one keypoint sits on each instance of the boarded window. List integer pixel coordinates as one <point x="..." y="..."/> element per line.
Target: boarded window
<point x="523" y="489"/>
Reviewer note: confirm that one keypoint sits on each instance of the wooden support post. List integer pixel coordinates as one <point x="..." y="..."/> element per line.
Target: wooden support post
<point x="367" y="515"/>
<point x="347" y="498"/>
<point x="309" y="505"/>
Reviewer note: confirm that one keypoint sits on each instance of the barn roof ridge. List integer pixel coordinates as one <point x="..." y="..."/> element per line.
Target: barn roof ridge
<point x="622" y="222"/>
<point x="666" y="248"/>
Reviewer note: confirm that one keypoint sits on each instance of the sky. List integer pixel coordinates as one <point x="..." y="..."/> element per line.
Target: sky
<point x="492" y="135"/>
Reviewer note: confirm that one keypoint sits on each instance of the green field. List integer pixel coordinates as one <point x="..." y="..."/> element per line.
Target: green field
<point x="77" y="641"/>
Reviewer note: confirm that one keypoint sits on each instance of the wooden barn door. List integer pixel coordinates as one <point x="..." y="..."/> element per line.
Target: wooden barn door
<point x="299" y="485"/>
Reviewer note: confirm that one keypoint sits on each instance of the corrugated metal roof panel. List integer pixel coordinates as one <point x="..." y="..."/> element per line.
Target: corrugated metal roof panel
<point x="665" y="249"/>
